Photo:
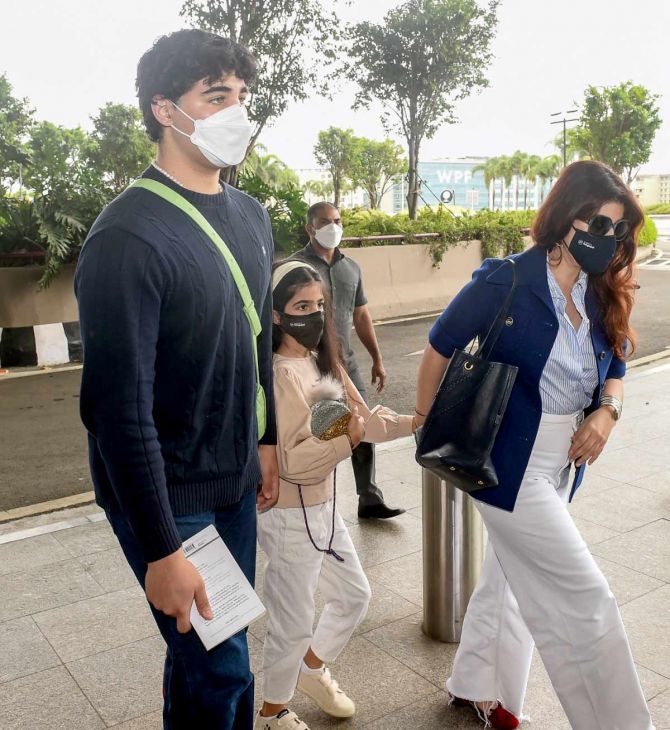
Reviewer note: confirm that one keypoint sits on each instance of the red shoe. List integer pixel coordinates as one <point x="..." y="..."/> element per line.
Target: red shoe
<point x="499" y="718"/>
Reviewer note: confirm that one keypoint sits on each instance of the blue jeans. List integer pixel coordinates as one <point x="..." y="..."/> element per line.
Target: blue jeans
<point x="215" y="689"/>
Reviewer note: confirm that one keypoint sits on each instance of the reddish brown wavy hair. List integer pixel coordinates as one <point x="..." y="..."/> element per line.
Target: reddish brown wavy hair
<point x="580" y="191"/>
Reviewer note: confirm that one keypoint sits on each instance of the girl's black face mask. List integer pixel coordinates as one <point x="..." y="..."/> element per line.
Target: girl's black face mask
<point x="307" y="329"/>
<point x="592" y="253"/>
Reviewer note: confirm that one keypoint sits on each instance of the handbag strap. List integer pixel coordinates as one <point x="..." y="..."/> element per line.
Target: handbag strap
<point x="172" y="196"/>
<point x="486" y="347"/>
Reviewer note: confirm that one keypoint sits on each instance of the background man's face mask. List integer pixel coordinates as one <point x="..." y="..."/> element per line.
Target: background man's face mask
<point x="329" y="236"/>
<point x="222" y="137"/>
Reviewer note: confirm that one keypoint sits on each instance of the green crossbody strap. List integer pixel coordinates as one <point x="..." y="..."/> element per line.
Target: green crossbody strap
<point x="248" y="303"/>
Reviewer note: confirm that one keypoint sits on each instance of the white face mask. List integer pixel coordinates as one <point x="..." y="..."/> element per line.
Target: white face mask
<point x="222" y="137"/>
<point x="329" y="236"/>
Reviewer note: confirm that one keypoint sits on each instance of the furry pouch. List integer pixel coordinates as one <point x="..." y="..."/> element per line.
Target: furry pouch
<point x="330" y="414"/>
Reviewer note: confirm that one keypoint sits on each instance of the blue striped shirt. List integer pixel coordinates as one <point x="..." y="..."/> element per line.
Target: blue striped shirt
<point x="571" y="373"/>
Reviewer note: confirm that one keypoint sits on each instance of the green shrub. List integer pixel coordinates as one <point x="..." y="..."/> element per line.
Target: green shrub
<point x="648" y="234"/>
<point x="286" y="207"/>
<point x="500" y="232"/>
<point x="658" y="209"/>
<point x="362" y="222"/>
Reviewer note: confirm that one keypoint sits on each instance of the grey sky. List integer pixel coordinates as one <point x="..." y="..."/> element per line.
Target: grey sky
<point x="71" y="56"/>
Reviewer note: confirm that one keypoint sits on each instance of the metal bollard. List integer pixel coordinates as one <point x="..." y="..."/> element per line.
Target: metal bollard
<point x="453" y="551"/>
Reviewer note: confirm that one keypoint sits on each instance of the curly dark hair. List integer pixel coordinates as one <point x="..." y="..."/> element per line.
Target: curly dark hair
<point x="176" y="62"/>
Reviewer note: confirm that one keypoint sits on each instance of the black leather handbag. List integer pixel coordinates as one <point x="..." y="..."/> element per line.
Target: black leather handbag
<point x="456" y="440"/>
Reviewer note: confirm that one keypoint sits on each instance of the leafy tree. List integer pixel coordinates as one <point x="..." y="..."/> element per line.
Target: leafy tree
<point x="16" y="119"/>
<point x="426" y="55"/>
<point x="286" y="207"/>
<point x="336" y="150"/>
<point x="61" y="201"/>
<point x="269" y="168"/>
<point x="375" y="165"/>
<point x="120" y="148"/>
<point x="617" y="126"/>
<point x="574" y="149"/>
<point x="58" y="157"/>
<point x="293" y="40"/>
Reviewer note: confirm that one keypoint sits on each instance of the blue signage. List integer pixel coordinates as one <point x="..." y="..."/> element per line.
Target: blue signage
<point x="454" y="183"/>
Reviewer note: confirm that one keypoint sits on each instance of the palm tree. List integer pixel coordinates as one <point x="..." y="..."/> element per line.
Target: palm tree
<point x="490" y="170"/>
<point x="269" y="168"/>
<point x="547" y="170"/>
<point x="517" y="165"/>
<point x="504" y="172"/>
<point x="319" y="188"/>
<point x="529" y="171"/>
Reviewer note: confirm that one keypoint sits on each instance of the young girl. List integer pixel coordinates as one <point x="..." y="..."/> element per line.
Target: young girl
<point x="304" y="537"/>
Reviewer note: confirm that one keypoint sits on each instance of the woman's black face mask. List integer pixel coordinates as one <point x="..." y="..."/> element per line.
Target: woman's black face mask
<point x="593" y="253"/>
<point x="307" y="329"/>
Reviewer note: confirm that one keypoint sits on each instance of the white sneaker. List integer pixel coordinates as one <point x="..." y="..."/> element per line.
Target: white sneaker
<point x="285" y="719"/>
<point x="324" y="690"/>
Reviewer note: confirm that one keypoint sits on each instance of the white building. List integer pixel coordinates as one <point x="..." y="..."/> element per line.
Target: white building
<point x="652" y="189"/>
<point x="352" y="199"/>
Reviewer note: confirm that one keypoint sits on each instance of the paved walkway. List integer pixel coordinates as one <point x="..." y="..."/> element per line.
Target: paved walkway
<point x="80" y="651"/>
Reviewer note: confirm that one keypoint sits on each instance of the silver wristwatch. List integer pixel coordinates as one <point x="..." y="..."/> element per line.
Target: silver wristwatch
<point x="614" y="403"/>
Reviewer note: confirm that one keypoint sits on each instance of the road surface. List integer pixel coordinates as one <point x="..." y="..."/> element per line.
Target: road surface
<point x="43" y="444"/>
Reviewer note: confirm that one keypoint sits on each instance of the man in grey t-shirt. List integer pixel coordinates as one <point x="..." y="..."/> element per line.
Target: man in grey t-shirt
<point x="342" y="275"/>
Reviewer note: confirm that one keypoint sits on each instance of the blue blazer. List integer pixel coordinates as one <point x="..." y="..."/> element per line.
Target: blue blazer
<point x="526" y="341"/>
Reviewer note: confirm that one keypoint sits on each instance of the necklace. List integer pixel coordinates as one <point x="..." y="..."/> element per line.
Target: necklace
<point x="174" y="179"/>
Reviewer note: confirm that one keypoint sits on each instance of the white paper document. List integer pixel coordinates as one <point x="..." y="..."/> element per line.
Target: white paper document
<point x="234" y="602"/>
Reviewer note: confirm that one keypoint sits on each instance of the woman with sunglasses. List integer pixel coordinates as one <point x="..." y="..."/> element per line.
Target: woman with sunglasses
<point x="568" y="332"/>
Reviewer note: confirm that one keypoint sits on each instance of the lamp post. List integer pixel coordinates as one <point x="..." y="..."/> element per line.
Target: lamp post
<point x="564" y="121"/>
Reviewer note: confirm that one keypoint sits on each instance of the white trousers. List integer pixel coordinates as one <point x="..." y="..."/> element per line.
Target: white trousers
<point x="540" y="585"/>
<point x="294" y="572"/>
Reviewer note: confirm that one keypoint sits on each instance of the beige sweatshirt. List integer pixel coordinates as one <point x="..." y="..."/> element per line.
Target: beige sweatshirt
<point x="303" y="458"/>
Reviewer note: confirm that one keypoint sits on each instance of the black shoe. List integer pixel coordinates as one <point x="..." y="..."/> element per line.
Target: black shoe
<point x="378" y="511"/>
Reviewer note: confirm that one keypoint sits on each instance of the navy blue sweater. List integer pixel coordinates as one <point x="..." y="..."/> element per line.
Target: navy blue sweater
<point x="168" y="388"/>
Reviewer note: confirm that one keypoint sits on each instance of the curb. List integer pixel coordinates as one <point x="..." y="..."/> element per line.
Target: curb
<point x="647" y="359"/>
<point x="44" y="370"/>
<point x="53" y="505"/>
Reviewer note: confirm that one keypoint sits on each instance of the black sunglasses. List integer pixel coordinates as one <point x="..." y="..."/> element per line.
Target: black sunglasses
<point x="601" y="225"/>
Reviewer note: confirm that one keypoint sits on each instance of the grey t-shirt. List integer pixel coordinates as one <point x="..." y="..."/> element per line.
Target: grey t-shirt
<point x="343" y="278"/>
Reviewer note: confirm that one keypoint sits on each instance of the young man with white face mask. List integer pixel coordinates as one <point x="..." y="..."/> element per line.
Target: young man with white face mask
<point x="170" y="384"/>
<point x="350" y="309"/>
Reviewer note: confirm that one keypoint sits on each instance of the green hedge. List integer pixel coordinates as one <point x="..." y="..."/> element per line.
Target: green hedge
<point x="658" y="209"/>
<point x="500" y="233"/>
<point x="648" y="234"/>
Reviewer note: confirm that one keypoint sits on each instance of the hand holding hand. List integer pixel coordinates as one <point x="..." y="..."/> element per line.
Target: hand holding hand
<point x="171" y="586"/>
<point x="268" y="489"/>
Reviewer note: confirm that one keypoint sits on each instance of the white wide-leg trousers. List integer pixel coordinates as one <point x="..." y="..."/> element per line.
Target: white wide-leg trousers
<point x="541" y="586"/>
<point x="294" y="572"/>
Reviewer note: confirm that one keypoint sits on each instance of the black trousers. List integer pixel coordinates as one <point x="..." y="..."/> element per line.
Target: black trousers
<point x="363" y="456"/>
